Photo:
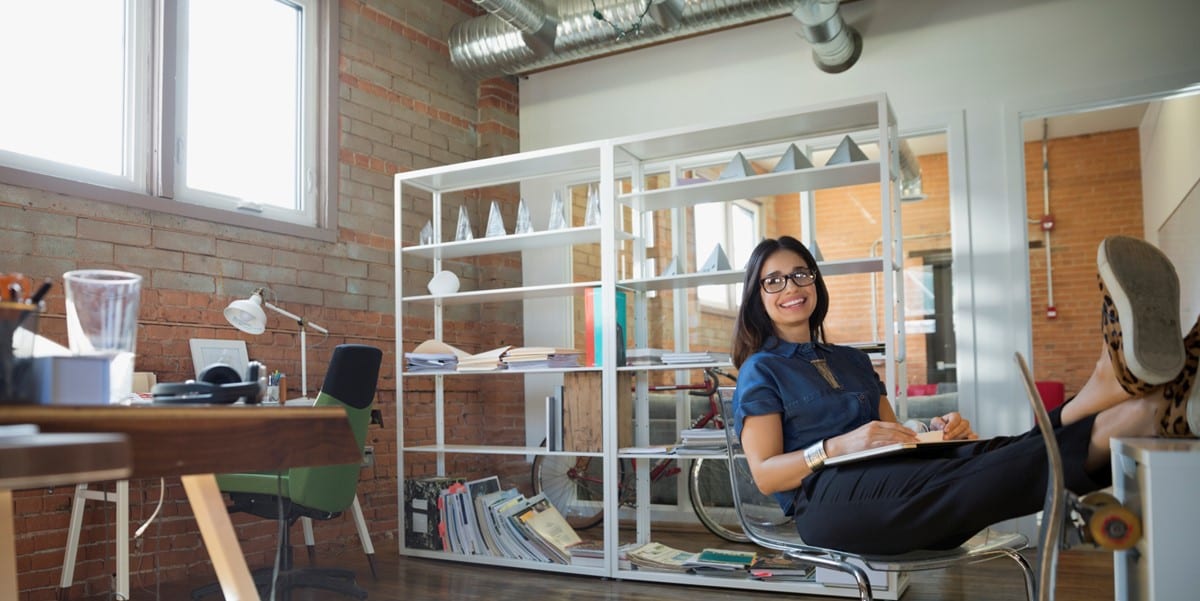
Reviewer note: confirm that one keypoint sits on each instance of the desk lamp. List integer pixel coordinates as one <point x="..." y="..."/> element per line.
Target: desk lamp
<point x="247" y="315"/>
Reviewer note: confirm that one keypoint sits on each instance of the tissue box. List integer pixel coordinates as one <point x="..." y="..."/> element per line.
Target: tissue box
<point x="70" y="380"/>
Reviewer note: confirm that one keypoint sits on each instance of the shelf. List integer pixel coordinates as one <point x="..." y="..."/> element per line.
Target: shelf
<point x="737" y="276"/>
<point x="492" y="560"/>
<point x="768" y="184"/>
<point x="507" y="244"/>
<point x="505" y="169"/>
<point x="818" y="121"/>
<point x="675" y="367"/>
<point x="500" y="372"/>
<point x="609" y="162"/>
<point x="504" y="294"/>
<point x="491" y="450"/>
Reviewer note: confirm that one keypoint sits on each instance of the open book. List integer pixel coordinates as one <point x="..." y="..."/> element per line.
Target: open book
<point x="932" y="438"/>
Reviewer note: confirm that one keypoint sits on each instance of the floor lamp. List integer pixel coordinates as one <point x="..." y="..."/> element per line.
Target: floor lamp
<point x="248" y="316"/>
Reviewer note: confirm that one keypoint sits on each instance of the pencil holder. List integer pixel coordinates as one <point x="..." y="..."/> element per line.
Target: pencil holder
<point x="18" y="328"/>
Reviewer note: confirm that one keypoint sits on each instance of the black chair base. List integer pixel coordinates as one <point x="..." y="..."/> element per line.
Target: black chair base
<point x="329" y="579"/>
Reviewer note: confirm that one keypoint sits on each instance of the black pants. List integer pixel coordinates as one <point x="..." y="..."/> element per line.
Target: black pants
<point x="938" y="498"/>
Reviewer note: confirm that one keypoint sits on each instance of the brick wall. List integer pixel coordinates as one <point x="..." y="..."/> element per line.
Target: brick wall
<point x="1095" y="191"/>
<point x="403" y="106"/>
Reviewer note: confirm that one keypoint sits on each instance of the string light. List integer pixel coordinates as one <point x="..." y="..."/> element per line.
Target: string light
<point x="634" y="29"/>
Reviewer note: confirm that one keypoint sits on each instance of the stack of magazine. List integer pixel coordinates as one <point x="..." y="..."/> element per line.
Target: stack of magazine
<point x="434" y="355"/>
<point x="479" y="518"/>
<point x="700" y="441"/>
<point x="540" y="357"/>
<point x="695" y="357"/>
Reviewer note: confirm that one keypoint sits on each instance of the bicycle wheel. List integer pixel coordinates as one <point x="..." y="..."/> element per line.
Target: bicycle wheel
<point x="574" y="485"/>
<point x="712" y="498"/>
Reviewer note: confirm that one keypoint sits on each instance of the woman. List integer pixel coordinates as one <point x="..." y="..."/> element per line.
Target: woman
<point x="800" y="400"/>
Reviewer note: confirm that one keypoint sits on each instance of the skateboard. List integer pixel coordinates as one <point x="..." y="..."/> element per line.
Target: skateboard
<point x="1097" y="519"/>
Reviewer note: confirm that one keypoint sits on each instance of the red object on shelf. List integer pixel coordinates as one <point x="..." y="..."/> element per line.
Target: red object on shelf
<point x="1052" y="393"/>
<point x="922" y="389"/>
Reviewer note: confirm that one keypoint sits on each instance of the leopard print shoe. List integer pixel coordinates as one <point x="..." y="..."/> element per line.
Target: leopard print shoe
<point x="1140" y="316"/>
<point x="1182" y="417"/>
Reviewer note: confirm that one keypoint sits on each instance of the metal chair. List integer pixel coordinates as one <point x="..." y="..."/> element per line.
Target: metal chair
<point x="765" y="524"/>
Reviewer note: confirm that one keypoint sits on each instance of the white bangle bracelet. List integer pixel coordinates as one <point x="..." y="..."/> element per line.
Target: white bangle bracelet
<point x="815" y="455"/>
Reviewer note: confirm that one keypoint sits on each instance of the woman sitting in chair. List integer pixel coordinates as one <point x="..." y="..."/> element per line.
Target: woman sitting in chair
<point x="800" y="401"/>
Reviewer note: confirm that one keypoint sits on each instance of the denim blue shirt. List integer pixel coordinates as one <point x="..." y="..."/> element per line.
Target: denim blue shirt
<point x="781" y="378"/>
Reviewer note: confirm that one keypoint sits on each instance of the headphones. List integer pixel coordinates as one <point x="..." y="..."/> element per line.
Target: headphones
<point x="217" y="384"/>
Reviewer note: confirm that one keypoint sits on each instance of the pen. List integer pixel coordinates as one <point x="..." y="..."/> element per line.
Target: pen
<point x="41" y="292"/>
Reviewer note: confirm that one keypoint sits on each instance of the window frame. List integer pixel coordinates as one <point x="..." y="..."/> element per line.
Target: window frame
<point x="151" y="183"/>
<point x="732" y="292"/>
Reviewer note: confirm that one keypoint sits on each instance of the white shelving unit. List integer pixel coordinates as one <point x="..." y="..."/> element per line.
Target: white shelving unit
<point x="867" y="119"/>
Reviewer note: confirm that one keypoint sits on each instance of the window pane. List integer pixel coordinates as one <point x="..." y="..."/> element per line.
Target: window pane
<point x="744" y="234"/>
<point x="710" y="231"/>
<point x="243" y="91"/>
<point x="63" y="68"/>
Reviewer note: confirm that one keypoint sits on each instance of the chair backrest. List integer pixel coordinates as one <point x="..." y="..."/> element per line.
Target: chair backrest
<point x="349" y="383"/>
<point x="762" y="519"/>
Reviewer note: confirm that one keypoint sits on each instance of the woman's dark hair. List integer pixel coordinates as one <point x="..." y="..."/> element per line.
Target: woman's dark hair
<point x="753" y="326"/>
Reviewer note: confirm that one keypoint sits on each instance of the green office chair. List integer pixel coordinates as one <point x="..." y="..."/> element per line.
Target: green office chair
<point x="320" y="493"/>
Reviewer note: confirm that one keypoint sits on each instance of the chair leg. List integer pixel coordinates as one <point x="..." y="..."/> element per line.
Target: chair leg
<point x="68" y="566"/>
<point x="860" y="575"/>
<point x="309" y="543"/>
<point x="78" y="504"/>
<point x="364" y="536"/>
<point x="123" y="534"/>
<point x="1026" y="571"/>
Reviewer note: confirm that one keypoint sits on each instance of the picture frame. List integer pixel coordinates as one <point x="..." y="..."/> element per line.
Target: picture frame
<point x="207" y="351"/>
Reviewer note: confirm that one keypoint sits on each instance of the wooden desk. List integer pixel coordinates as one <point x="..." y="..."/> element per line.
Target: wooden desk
<point x="37" y="460"/>
<point x="197" y="441"/>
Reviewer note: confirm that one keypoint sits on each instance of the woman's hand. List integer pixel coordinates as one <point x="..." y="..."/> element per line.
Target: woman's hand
<point x="868" y="436"/>
<point x="953" y="427"/>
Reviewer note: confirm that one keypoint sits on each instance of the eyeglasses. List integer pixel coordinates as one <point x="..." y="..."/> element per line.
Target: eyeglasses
<point x="774" y="284"/>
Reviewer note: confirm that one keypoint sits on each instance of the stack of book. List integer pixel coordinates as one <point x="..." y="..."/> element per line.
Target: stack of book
<point x="433" y="355"/>
<point x="658" y="557"/>
<point x="694" y="357"/>
<point x="540" y="357"/>
<point x="720" y="559"/>
<point x="644" y="356"/>
<point x="479" y="518"/>
<point x="700" y="441"/>
<point x="485" y="361"/>
<point x="779" y="568"/>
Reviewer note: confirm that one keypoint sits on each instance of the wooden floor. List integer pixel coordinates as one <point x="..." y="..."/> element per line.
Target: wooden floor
<point x="1083" y="575"/>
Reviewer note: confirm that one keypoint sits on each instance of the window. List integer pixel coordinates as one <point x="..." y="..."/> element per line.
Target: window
<point x="213" y="109"/>
<point x="736" y="227"/>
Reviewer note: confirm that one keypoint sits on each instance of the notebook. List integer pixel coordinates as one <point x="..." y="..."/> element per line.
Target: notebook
<point x="925" y="440"/>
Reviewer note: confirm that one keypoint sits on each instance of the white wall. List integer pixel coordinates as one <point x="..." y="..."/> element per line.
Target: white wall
<point x="1170" y="145"/>
<point x="983" y="63"/>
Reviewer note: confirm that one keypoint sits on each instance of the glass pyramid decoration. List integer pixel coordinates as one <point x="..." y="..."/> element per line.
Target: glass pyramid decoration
<point x="463" y="231"/>
<point x="592" y="217"/>
<point x="672" y="268"/>
<point x="738" y="167"/>
<point x="495" y="224"/>
<point x="846" y="152"/>
<point x="426" y="236"/>
<point x="717" y="261"/>
<point x="792" y="160"/>
<point x="558" y="217"/>
<point x="524" y="224"/>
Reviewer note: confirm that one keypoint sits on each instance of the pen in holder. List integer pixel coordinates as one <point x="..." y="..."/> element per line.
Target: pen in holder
<point x="273" y="381"/>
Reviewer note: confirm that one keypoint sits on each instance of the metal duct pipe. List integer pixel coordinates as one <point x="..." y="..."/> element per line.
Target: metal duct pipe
<point x="910" y="174"/>
<point x="836" y="45"/>
<point x="502" y="41"/>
